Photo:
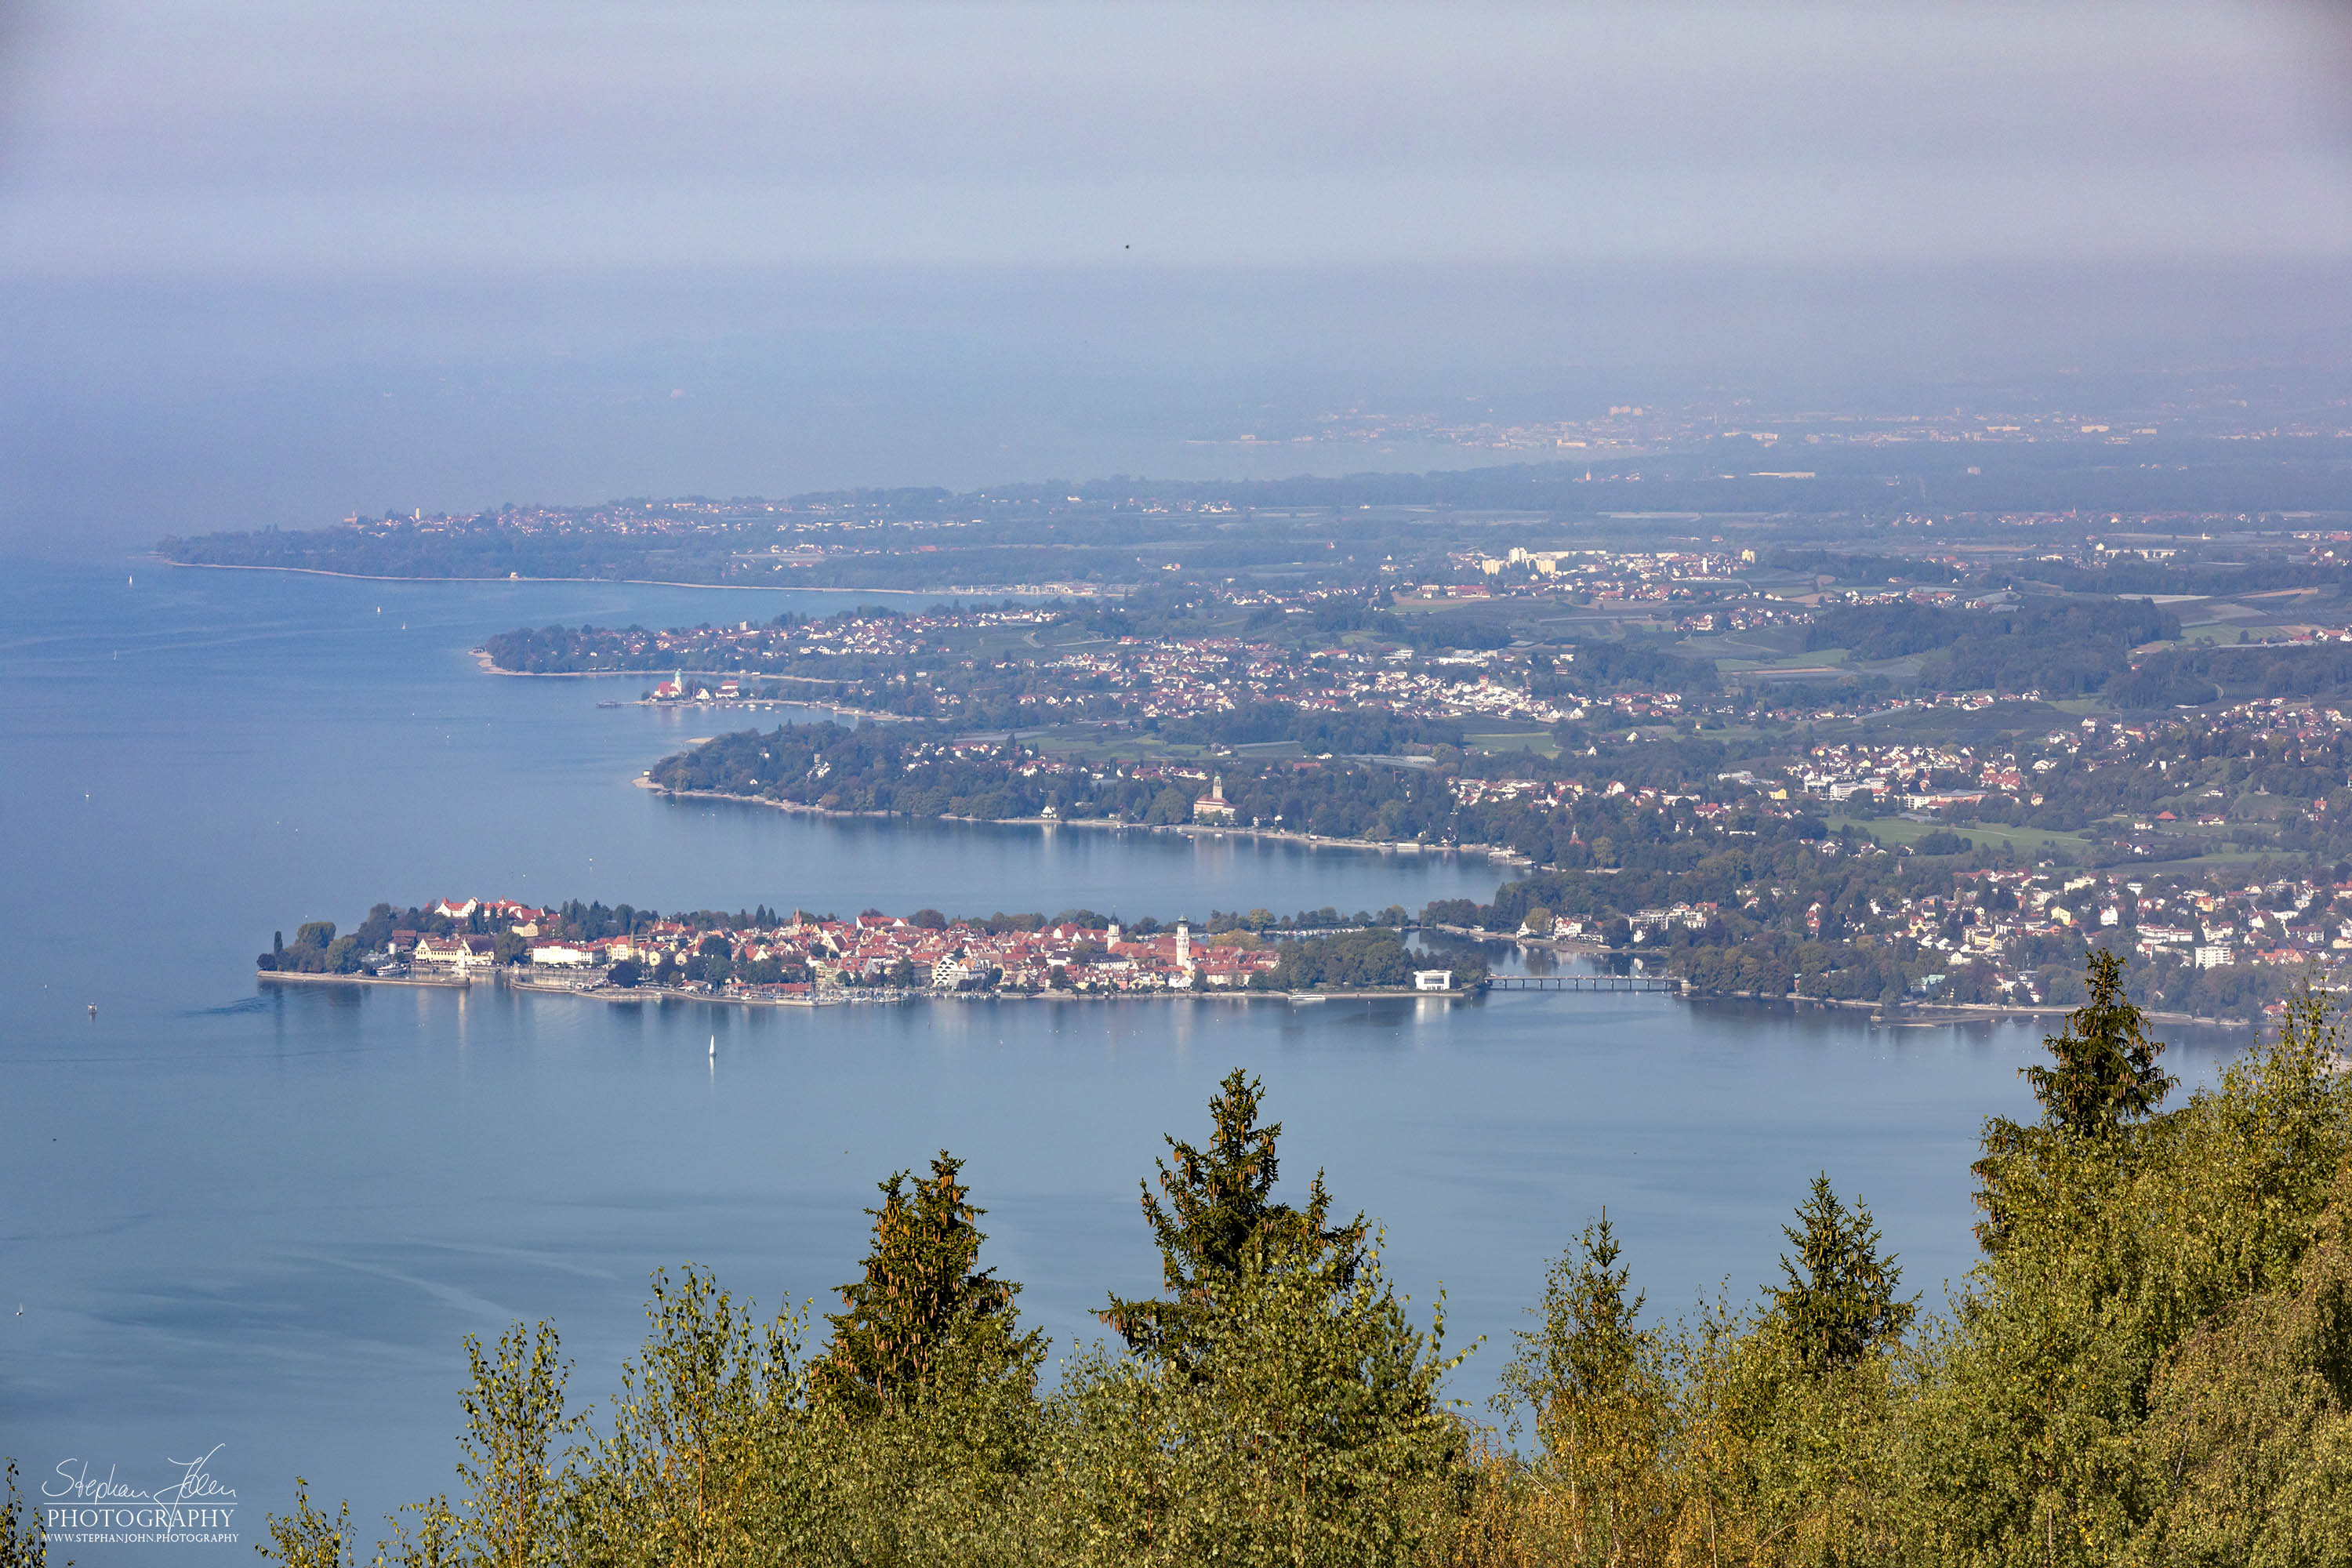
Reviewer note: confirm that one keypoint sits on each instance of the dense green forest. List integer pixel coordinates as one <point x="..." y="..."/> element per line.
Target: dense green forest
<point x="1602" y="667"/>
<point x="913" y="771"/>
<point x="1888" y="631"/>
<point x="1849" y="567"/>
<point x="2194" y="676"/>
<point x="2130" y="574"/>
<point x="2059" y="647"/>
<point x="874" y="769"/>
<point x="2150" y="1362"/>
<point x="1347" y="960"/>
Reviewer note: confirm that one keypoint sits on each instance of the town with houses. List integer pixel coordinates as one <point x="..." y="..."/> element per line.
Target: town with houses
<point x="758" y="957"/>
<point x="1881" y="725"/>
<point x="1915" y="872"/>
<point x="1988" y="942"/>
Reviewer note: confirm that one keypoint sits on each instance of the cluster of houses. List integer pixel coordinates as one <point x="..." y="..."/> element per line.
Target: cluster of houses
<point x="804" y="955"/>
<point x="1419" y="692"/>
<point x="2284" y="923"/>
<point x="1539" y="793"/>
<point x="1931" y="777"/>
<point x="1164" y="677"/>
<point x="1169" y="677"/>
<point x="758" y="648"/>
<point x="2287" y="922"/>
<point x="2000" y="920"/>
<point x="1991" y="917"/>
<point x="1743" y="618"/>
<point x="1628" y="573"/>
<point x="1672" y="574"/>
<point x="1925" y="775"/>
<point x="1172" y="677"/>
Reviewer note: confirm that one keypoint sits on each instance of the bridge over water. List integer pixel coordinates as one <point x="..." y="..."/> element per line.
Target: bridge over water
<point x="1621" y="983"/>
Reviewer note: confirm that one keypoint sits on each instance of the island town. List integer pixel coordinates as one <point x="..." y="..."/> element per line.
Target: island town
<point x="761" y="956"/>
<point x="1844" y="923"/>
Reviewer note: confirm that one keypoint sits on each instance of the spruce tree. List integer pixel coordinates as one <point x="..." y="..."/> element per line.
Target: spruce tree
<point x="2101" y="1082"/>
<point x="923" y="1313"/>
<point x="1590" y="1345"/>
<point x="2103" y="1071"/>
<point x="1839" y="1301"/>
<point x="1214" y="1214"/>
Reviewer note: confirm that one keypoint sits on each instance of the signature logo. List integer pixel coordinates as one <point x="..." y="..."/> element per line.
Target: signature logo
<point x="74" y="1483"/>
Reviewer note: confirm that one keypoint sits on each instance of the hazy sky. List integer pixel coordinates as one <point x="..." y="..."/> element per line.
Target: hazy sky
<point x="224" y="137"/>
<point x="207" y="207"/>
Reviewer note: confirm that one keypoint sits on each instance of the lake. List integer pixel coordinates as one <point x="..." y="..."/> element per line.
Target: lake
<point x="261" y="1221"/>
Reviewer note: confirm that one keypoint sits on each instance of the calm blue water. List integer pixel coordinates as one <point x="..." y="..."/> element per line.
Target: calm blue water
<point x="264" y="1220"/>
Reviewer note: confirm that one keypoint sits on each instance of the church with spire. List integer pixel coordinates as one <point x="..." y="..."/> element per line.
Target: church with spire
<point x="1213" y="806"/>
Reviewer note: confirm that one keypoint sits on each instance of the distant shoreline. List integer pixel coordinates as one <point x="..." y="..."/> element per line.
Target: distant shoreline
<point x="1013" y="591"/>
<point x="1963" y="1012"/>
<point x="507" y="979"/>
<point x="1187" y="829"/>
<point x="482" y="658"/>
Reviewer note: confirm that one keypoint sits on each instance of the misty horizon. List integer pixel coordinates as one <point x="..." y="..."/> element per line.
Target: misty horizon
<point x="270" y="265"/>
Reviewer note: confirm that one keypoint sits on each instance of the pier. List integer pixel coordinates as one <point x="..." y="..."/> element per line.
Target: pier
<point x="1662" y="984"/>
